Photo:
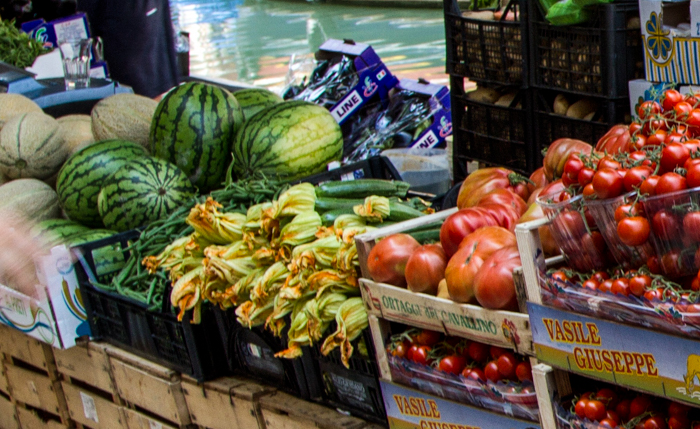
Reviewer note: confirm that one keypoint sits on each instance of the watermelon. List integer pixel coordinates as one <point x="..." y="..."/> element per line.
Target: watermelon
<point x="81" y="177"/>
<point x="289" y="140"/>
<point x="193" y="127"/>
<point x="141" y="191"/>
<point x="56" y="231"/>
<point x="253" y="100"/>
<point x="108" y="258"/>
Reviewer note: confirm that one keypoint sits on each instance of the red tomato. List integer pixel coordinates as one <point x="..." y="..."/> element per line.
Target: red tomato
<point x="426" y="337"/>
<point x="633" y="231"/>
<point x="421" y="355"/>
<point x="635" y="176"/>
<point x="553" y="189"/>
<point x="670" y="98"/>
<point x="648" y="109"/>
<point x="674" y="155"/>
<point x="639" y="405"/>
<point x="476" y="374"/>
<point x="691" y="225"/>
<point x="425" y="268"/>
<point x="678" y="422"/>
<point x="506" y="198"/>
<point x="585" y="176"/>
<point x="494" y="287"/>
<point x="616" y="140"/>
<point x="606" y="285"/>
<point x="524" y="371"/>
<point x="681" y="110"/>
<point x="655" y="422"/>
<point x="638" y="142"/>
<point x="460" y="224"/>
<point x="656" y="137"/>
<point x="608" y="162"/>
<point x="620" y="286"/>
<point x="386" y="261"/>
<point x="505" y="216"/>
<point x="612" y="416"/>
<point x="693" y="121"/>
<point x="572" y="167"/>
<point x="608" y="397"/>
<point x="608" y="183"/>
<point x="648" y="186"/>
<point x="670" y="182"/>
<point x="411" y="350"/>
<point x="627" y="210"/>
<point x="537" y="179"/>
<point x="495" y="352"/>
<point x="399" y="348"/>
<point x="507" y="364"/>
<point x="693" y="145"/>
<point x="599" y="276"/>
<point x="639" y="284"/>
<point x="453" y="364"/>
<point x="595" y="410"/>
<point x="666" y="225"/>
<point x="590" y="284"/>
<point x="478" y="352"/>
<point x="607" y="423"/>
<point x="491" y="372"/>
<point x="692" y="175"/>
<point x="572" y="222"/>
<point x="580" y="408"/>
<point x="549" y="246"/>
<point x="557" y="154"/>
<point x="623" y="409"/>
<point x="677" y="409"/>
<point x="588" y="191"/>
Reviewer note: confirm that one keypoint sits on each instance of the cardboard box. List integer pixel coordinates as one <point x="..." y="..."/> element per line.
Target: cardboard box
<point x="670" y="50"/>
<point x="57" y="316"/>
<point x="439" y="99"/>
<point x="408" y="408"/>
<point x="642" y="90"/>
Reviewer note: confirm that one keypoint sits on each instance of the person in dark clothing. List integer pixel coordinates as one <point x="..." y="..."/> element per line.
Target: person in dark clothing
<point x="138" y="39"/>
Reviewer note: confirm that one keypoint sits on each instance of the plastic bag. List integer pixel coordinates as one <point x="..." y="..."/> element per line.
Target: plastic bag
<point x="568" y="12"/>
<point x="329" y="82"/>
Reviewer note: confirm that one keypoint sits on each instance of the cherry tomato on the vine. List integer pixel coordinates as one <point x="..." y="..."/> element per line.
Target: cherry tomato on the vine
<point x="649" y="108"/>
<point x="670" y="182"/>
<point x="608" y="183"/>
<point x="633" y="231"/>
<point x="669" y="99"/>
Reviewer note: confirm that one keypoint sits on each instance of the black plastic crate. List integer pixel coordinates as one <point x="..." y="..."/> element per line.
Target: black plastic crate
<point x="595" y="58"/>
<point x="354" y="390"/>
<point x="376" y="167"/>
<point x="193" y="349"/>
<point x="495" y="135"/>
<point x="488" y="51"/>
<point x="251" y="352"/>
<point x="550" y="126"/>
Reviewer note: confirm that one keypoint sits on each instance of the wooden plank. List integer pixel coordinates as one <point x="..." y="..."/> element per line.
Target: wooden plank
<point x="224" y="403"/>
<point x="160" y="396"/>
<point x="32" y="388"/>
<point x="23" y="347"/>
<point x="91" y="409"/>
<point x="283" y="411"/>
<point x="4" y="387"/>
<point x="545" y="386"/>
<point x="29" y="419"/>
<point x="137" y="420"/>
<point x="532" y="256"/>
<point x="501" y="328"/>
<point x="380" y="333"/>
<point x="8" y="415"/>
<point x="88" y="363"/>
<point x="144" y="365"/>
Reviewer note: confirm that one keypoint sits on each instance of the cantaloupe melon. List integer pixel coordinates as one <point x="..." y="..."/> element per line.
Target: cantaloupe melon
<point x="12" y="105"/>
<point x="124" y="117"/>
<point x="30" y="199"/>
<point x="76" y="131"/>
<point x="31" y="146"/>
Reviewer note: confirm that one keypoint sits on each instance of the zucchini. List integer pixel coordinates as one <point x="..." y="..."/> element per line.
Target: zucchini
<point x="399" y="212"/>
<point x="326" y="204"/>
<point x="426" y="236"/>
<point x="329" y="217"/>
<point x="362" y="188"/>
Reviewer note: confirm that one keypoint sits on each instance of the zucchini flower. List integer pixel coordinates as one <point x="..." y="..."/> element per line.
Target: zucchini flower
<point x="168" y="257"/>
<point x="375" y="209"/>
<point x="254" y="216"/>
<point x="284" y="304"/>
<point x="270" y="283"/>
<point x="214" y="289"/>
<point x="187" y="294"/>
<point x="237" y="249"/>
<point x="184" y="266"/>
<point x="240" y="291"/>
<point x="315" y="255"/>
<point x="321" y="311"/>
<point x="345" y="221"/>
<point x="351" y="319"/>
<point x="249" y="314"/>
<point x="297" y="199"/>
<point x="230" y="270"/>
<point x="302" y="229"/>
<point x="298" y="334"/>
<point x="219" y="228"/>
<point x="329" y="280"/>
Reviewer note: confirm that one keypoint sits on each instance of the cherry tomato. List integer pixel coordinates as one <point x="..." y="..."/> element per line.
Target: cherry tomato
<point x="478" y="352"/>
<point x="639" y="284"/>
<point x="635" y="176"/>
<point x="674" y="155"/>
<point x="495" y="352"/>
<point x="524" y="371"/>
<point x="507" y="364"/>
<point x="672" y="263"/>
<point x="639" y="405"/>
<point x="572" y="222"/>
<point x="670" y="182"/>
<point x="626" y="210"/>
<point x="692" y="175"/>
<point x="681" y="110"/>
<point x="691" y="225"/>
<point x="599" y="276"/>
<point x="608" y="162"/>
<point x="411" y="351"/>
<point x="476" y="374"/>
<point x="606" y="286"/>
<point x="693" y="121"/>
<point x="399" y="348"/>
<point x="421" y="355"/>
<point x="666" y="225"/>
<point x="585" y="176"/>
<point x="656" y="137"/>
<point x="677" y="409"/>
<point x="623" y="409"/>
<point x="612" y="416"/>
<point x="590" y="284"/>
<point x="453" y="364"/>
<point x="595" y="410"/>
<point x="620" y="286"/>
<point x="633" y="231"/>
<point x="588" y="191"/>
<point x="637" y="142"/>
<point x="655" y="422"/>
<point x="580" y="407"/>
<point x="608" y="397"/>
<point x="649" y="108"/>
<point x="572" y="167"/>
<point x="669" y="99"/>
<point x="491" y="372"/>
<point x="607" y="183"/>
<point x="607" y="423"/>
<point x="678" y="422"/>
<point x="427" y="337"/>
<point x="648" y="186"/>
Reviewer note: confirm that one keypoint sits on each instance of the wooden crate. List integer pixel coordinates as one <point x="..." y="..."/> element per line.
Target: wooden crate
<point x="550" y="384"/>
<point x="92" y="409"/>
<point x="282" y="411"/>
<point x="137" y="420"/>
<point x="144" y="384"/>
<point x="32" y="388"/>
<point x="87" y="363"/>
<point x="8" y="415"/>
<point x="30" y="419"/>
<point x="4" y="388"/>
<point x="17" y="345"/>
<point x="225" y="403"/>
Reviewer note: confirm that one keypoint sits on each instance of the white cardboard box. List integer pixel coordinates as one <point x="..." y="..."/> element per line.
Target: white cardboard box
<point x="57" y="315"/>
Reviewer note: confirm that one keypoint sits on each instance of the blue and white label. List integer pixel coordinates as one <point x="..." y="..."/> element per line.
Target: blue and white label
<point x="428" y="140"/>
<point x="348" y="105"/>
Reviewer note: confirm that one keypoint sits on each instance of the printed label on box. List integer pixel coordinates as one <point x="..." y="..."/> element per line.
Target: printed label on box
<point x="617" y="353"/>
<point x="89" y="408"/>
<point x="408" y="408"/>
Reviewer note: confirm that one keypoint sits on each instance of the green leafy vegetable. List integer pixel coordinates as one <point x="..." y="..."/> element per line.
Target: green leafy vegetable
<point x="16" y="47"/>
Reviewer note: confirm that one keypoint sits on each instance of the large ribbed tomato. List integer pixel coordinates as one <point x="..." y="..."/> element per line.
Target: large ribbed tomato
<point x="460" y="224"/>
<point x="387" y="260"/>
<point x="557" y="154"/>
<point x="616" y="140"/>
<point x="426" y="268"/>
<point x="485" y="180"/>
<point x="494" y="287"/>
<point x="505" y="197"/>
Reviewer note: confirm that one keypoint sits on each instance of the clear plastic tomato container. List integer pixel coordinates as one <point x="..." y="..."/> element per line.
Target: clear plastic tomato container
<point x="603" y="212"/>
<point x="576" y="233"/>
<point x="675" y="231"/>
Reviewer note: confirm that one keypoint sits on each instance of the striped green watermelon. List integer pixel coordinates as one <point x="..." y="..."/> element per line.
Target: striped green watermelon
<point x="253" y="100"/>
<point x="141" y="191"/>
<point x="193" y="128"/>
<point x="108" y="258"/>
<point x="289" y="140"/>
<point x="56" y="231"/>
<point x="81" y="177"/>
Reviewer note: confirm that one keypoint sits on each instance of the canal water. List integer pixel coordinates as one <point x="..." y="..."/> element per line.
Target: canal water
<point x="253" y="41"/>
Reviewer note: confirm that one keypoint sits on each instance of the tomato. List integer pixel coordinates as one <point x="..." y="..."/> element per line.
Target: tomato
<point x="505" y="216"/>
<point x="553" y="189"/>
<point x="485" y="180"/>
<point x="670" y="182"/>
<point x="421" y="355"/>
<point x="570" y="221"/>
<point x="633" y="231"/>
<point x="507" y="364"/>
<point x="399" y="348"/>
<point x="427" y="337"/>
<point x="666" y="225"/>
<point x="411" y="351"/>
<point x="648" y="109"/>
<point x="677" y="409"/>
<point x="494" y="287"/>
<point x="638" y="142"/>
<point x="670" y="98"/>
<point x="639" y="284"/>
<point x="616" y="140"/>
<point x="606" y="285"/>
<point x="612" y="416"/>
<point x="524" y="371"/>
<point x="620" y="286"/>
<point x="537" y="179"/>
<point x="639" y="405"/>
<point x="691" y="225"/>
<point x="607" y="423"/>
<point x="425" y="268"/>
<point x="557" y="154"/>
<point x="534" y="212"/>
<point x="590" y="284"/>
<point x="580" y="408"/>
<point x="453" y="364"/>
<point x="608" y="162"/>
<point x="491" y="372"/>
<point x="623" y="409"/>
<point x="655" y="422"/>
<point x="627" y="210"/>
<point x="506" y="198"/>
<point x="675" y="137"/>
<point x="608" y="397"/>
<point x="476" y="374"/>
<point x="460" y="224"/>
<point x="478" y="352"/>
<point x="693" y="121"/>
<point x="681" y="110"/>
<point x="648" y="186"/>
<point x="595" y="410"/>
<point x="674" y="155"/>
<point x="386" y="261"/>
<point x="495" y="351"/>
<point x="692" y="175"/>
<point x="607" y="183"/>
<point x="656" y="137"/>
<point x="572" y="167"/>
<point x="588" y="191"/>
<point x="678" y="422"/>
<point x="635" y="176"/>
<point x="585" y="176"/>
<point x="474" y="249"/>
